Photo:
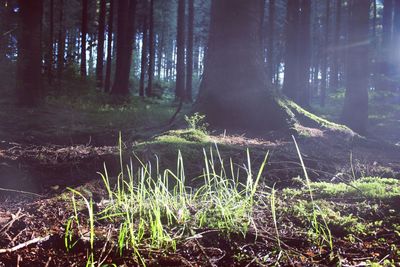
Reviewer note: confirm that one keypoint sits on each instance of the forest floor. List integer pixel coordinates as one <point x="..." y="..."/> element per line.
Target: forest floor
<point x="352" y="217"/>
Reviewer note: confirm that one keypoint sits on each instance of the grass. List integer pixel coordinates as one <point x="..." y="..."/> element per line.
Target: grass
<point x="155" y="208"/>
<point x="150" y="207"/>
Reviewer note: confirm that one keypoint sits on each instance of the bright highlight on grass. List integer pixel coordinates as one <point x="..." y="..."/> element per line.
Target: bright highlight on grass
<point x="153" y="208"/>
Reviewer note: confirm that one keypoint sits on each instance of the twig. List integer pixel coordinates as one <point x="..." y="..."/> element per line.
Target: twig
<point x="204" y="253"/>
<point x="19" y="191"/>
<point x="25" y="244"/>
<point x="10" y="223"/>
<point x="48" y="262"/>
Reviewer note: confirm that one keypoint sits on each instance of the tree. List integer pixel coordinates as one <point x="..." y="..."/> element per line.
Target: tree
<point x="303" y="54"/>
<point x="28" y="78"/>
<point x="152" y="52"/>
<point x="290" y="83"/>
<point x="50" y="60"/>
<point x="143" y="63"/>
<point x="84" y="30"/>
<point x="355" y="109"/>
<point x="180" y="65"/>
<point x="61" y="42"/>
<point x="336" y="53"/>
<point x="125" y="37"/>
<point x="107" y="81"/>
<point x="324" y="67"/>
<point x="270" y="45"/>
<point x="189" y="63"/>
<point x="100" y="44"/>
<point x="232" y="95"/>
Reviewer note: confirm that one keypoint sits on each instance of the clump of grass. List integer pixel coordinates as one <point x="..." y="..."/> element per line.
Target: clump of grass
<point x="155" y="208"/>
<point x="319" y="231"/>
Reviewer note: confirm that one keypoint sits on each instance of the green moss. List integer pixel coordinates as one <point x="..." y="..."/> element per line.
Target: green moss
<point x="307" y="118"/>
<point x="182" y="136"/>
<point x="339" y="224"/>
<point x="369" y="187"/>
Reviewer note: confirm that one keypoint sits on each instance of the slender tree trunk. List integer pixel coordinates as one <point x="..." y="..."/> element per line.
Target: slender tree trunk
<point x="180" y="65"/>
<point x="336" y="50"/>
<point x="325" y="55"/>
<point x="51" y="44"/>
<point x="161" y="44"/>
<point x="100" y="44"/>
<point x="107" y="82"/>
<point x="189" y="63"/>
<point x="290" y="82"/>
<point x="143" y="63"/>
<point x="28" y="77"/>
<point x="61" y="43"/>
<point x="304" y="53"/>
<point x="152" y="52"/>
<point x="387" y="37"/>
<point x="355" y="109"/>
<point x="84" y="36"/>
<point x="271" y="37"/>
<point x="125" y="38"/>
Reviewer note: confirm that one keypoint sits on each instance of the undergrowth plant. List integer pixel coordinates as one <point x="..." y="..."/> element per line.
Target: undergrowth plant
<point x="319" y="232"/>
<point x="153" y="208"/>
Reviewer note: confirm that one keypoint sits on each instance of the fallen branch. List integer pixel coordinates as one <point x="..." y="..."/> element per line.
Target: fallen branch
<point x="20" y="192"/>
<point x="25" y="244"/>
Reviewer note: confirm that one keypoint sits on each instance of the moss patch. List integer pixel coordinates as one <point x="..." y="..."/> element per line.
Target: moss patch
<point x="368" y="187"/>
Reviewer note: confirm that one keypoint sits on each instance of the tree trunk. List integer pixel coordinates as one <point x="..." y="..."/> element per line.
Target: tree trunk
<point x="28" y="77"/>
<point x="232" y="95"/>
<point x="180" y="64"/>
<point x="270" y="46"/>
<point x="336" y="50"/>
<point x="51" y="44"/>
<point x="161" y="44"/>
<point x="61" y="43"/>
<point x="355" y="109"/>
<point x="107" y="82"/>
<point x="325" y="55"/>
<point x="143" y="63"/>
<point x="84" y="36"/>
<point x="189" y="63"/>
<point x="125" y="37"/>
<point x="290" y="82"/>
<point x="304" y="53"/>
<point x="387" y="37"/>
<point x="100" y="44"/>
<point x="149" y="91"/>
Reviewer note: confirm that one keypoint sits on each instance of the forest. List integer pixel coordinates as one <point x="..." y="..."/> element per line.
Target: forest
<point x="199" y="133"/>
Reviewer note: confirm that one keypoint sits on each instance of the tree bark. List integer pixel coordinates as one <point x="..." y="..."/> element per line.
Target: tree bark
<point x="355" y="109"/>
<point x="107" y="81"/>
<point x="325" y="55"/>
<point x="336" y="50"/>
<point x="28" y="77"/>
<point x="84" y="25"/>
<point x="304" y="53"/>
<point x="232" y="95"/>
<point x="61" y="43"/>
<point x="152" y="52"/>
<point x="180" y="64"/>
<point x="100" y="44"/>
<point x="125" y="37"/>
<point x="290" y="82"/>
<point x="270" y="47"/>
<point x="189" y="49"/>
<point x="143" y="63"/>
<point x="51" y="44"/>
